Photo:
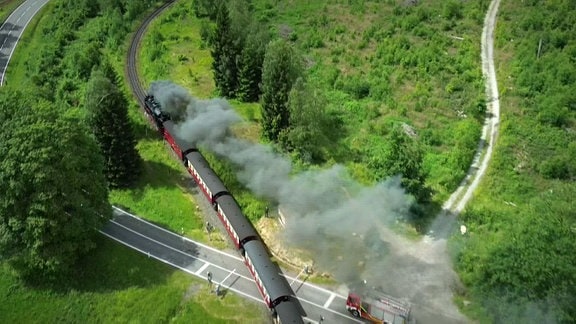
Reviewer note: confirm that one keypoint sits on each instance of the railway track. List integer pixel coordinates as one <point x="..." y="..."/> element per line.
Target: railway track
<point x="131" y="62"/>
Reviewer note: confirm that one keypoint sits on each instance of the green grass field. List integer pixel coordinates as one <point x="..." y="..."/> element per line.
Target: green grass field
<point x="115" y="284"/>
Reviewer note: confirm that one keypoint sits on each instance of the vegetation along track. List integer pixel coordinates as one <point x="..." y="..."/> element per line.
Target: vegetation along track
<point x="131" y="66"/>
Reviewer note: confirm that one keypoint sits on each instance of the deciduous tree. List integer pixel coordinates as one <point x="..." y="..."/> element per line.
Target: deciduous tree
<point x="402" y="156"/>
<point x="54" y="193"/>
<point x="309" y="123"/>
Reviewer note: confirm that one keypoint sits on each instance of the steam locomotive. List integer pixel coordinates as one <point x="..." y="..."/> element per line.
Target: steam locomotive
<point x="274" y="288"/>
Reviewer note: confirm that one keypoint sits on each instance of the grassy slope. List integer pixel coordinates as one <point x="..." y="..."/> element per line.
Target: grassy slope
<point x="119" y="285"/>
<point x="161" y="194"/>
<point x="7" y="6"/>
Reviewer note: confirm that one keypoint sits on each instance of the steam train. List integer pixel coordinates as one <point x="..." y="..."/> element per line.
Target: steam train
<point x="274" y="288"/>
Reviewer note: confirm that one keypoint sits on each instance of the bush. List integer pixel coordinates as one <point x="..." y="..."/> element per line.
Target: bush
<point x="357" y="88"/>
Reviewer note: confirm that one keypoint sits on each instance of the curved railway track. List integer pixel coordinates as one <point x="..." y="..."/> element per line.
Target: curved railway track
<point x="131" y="66"/>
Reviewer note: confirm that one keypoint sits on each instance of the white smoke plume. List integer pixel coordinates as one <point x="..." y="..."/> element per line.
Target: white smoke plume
<point x="344" y="224"/>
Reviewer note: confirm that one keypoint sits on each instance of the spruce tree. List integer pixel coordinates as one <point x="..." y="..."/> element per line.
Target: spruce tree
<point x="225" y="50"/>
<point x="280" y="70"/>
<point x="108" y="118"/>
<point x="250" y="64"/>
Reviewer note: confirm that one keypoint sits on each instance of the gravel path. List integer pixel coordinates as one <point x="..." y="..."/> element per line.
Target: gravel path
<point x="463" y="194"/>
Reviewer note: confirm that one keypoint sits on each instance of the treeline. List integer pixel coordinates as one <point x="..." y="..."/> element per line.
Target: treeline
<point x="519" y="260"/>
<point x="66" y="138"/>
<point x="252" y="64"/>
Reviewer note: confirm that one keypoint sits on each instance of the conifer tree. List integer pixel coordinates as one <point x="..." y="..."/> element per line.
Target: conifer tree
<point x="225" y="51"/>
<point x="108" y="118"/>
<point x="250" y="64"/>
<point x="280" y="70"/>
<point x="310" y="125"/>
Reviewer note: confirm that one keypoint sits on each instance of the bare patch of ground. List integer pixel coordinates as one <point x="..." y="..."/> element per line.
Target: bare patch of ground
<point x="270" y="230"/>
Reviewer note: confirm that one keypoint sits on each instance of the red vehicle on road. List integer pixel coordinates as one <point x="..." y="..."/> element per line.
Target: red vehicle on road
<point x="379" y="308"/>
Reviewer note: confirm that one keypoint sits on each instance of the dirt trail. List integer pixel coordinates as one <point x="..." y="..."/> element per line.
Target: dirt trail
<point x="457" y="201"/>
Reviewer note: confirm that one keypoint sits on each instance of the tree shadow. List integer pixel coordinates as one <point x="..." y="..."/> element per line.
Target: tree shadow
<point x="158" y="175"/>
<point x="336" y="147"/>
<point x="423" y="216"/>
<point x="109" y="267"/>
<point x="142" y="130"/>
<point x="7" y="41"/>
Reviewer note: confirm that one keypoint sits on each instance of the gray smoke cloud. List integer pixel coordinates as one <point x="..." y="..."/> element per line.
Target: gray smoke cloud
<point x="344" y="225"/>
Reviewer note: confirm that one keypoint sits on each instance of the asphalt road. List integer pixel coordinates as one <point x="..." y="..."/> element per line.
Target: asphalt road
<point x="228" y="269"/>
<point x="12" y="29"/>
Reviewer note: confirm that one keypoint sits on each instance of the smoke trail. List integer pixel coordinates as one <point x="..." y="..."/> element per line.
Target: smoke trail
<point x="343" y="224"/>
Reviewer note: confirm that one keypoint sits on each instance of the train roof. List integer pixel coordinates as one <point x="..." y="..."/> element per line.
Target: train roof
<point x="290" y="312"/>
<point x="206" y="173"/>
<point x="239" y="222"/>
<point x="182" y="144"/>
<point x="269" y="272"/>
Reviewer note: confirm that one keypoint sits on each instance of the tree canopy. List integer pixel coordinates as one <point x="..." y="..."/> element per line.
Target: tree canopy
<point x="310" y="125"/>
<point x="250" y="63"/>
<point x="55" y="195"/>
<point x="282" y="67"/>
<point x="225" y="51"/>
<point x="108" y="118"/>
<point x="402" y="156"/>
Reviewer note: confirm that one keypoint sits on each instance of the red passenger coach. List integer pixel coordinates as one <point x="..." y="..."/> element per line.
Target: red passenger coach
<point x="259" y="283"/>
<point x="237" y="225"/>
<point x="268" y="276"/>
<point x="179" y="146"/>
<point x="206" y="179"/>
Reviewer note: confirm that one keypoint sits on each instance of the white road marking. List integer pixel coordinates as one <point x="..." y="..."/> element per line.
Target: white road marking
<point x="172" y="233"/>
<point x="179" y="267"/>
<point x="202" y="268"/>
<point x="289" y="278"/>
<point x="329" y="301"/>
<point x="13" y="12"/>
<point x="18" y="38"/>
<point x="176" y="250"/>
<point x="212" y="264"/>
